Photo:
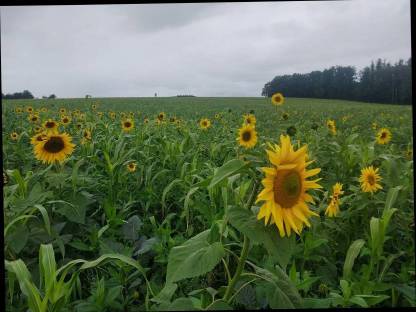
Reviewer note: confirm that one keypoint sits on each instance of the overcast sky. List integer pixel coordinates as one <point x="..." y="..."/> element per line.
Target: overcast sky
<point x="222" y="49"/>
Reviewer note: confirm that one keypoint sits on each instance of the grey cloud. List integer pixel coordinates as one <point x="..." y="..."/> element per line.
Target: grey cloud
<point x="222" y="49"/>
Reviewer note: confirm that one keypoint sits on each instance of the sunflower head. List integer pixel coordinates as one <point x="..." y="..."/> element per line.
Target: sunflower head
<point x="383" y="136"/>
<point x="65" y="120"/>
<point x="29" y="109"/>
<point x="146" y="120"/>
<point x="247" y="136"/>
<point x="369" y="180"/>
<point x="50" y="125"/>
<point x="204" y="123"/>
<point x="285" y="116"/>
<point x="86" y="134"/>
<point x="217" y="116"/>
<point x="278" y="99"/>
<point x="40" y="137"/>
<point x="331" y="126"/>
<point x="18" y="110"/>
<point x="131" y="167"/>
<point x="14" y="136"/>
<point x="333" y="208"/>
<point x="37" y="129"/>
<point x="94" y="106"/>
<point x="43" y="109"/>
<point x="54" y="147"/>
<point x="127" y="125"/>
<point x="291" y="131"/>
<point x="285" y="194"/>
<point x="250" y="119"/>
<point x="112" y="115"/>
<point x="172" y="119"/>
<point x="161" y="116"/>
<point x="62" y="110"/>
<point x="33" y="118"/>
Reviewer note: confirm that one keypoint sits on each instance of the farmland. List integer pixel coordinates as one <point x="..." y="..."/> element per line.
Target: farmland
<point x="151" y="211"/>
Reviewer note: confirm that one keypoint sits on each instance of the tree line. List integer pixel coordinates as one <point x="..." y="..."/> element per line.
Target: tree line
<point x="380" y="82"/>
<point x="26" y="94"/>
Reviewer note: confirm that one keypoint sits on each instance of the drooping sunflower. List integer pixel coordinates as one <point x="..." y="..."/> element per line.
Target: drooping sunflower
<point x="250" y="119"/>
<point x="131" y="167"/>
<point x="278" y="99"/>
<point x="14" y="136"/>
<point x="369" y="179"/>
<point x="247" y="136"/>
<point x="204" y="123"/>
<point x="38" y="138"/>
<point x="127" y="125"/>
<point x="55" y="147"/>
<point x="161" y="116"/>
<point x="285" y="188"/>
<point x="51" y="125"/>
<point x="331" y="126"/>
<point x="66" y="120"/>
<point x="333" y="208"/>
<point x="33" y="118"/>
<point x="383" y="136"/>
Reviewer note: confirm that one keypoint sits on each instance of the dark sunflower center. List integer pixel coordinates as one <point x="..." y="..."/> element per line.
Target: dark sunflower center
<point x="287" y="186"/>
<point x="65" y="120"/>
<point x="34" y="118"/>
<point x="204" y="123"/>
<point x="50" y="124"/>
<point x="55" y="144"/>
<point x="371" y="179"/>
<point x="277" y="98"/>
<point x="383" y="135"/>
<point x="127" y="124"/>
<point x="246" y="136"/>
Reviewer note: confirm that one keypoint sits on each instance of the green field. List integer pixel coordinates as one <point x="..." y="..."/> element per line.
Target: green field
<point x="181" y="230"/>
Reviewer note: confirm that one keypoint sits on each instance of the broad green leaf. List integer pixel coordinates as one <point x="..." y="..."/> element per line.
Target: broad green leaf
<point x="219" y="305"/>
<point x="47" y="266"/>
<point x="132" y="227"/>
<point x="391" y="197"/>
<point x="228" y="169"/>
<point x="193" y="258"/>
<point x="280" y="248"/>
<point x="45" y="217"/>
<point x="352" y="254"/>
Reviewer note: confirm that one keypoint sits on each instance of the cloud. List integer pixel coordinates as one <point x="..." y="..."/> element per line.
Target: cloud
<point x="221" y="49"/>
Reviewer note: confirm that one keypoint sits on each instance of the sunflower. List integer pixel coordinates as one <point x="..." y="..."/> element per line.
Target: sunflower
<point x="204" y="123"/>
<point x="51" y="125"/>
<point x="87" y="134"/>
<point x="291" y="130"/>
<point x="112" y="115"/>
<point x="127" y="125"/>
<point x="285" y="188"/>
<point x="94" y="106"/>
<point x="172" y="119"/>
<point x="33" y="118"/>
<point x="29" y="109"/>
<point x="78" y="126"/>
<point x="18" y="110"/>
<point x="81" y="116"/>
<point x="14" y="136"/>
<point x="331" y="126"/>
<point x="247" y="136"/>
<point x="369" y="179"/>
<point x="123" y="115"/>
<point x="62" y="111"/>
<point x="278" y="99"/>
<point x="409" y="154"/>
<point x="333" y="208"/>
<point x="217" y="116"/>
<point x="43" y="109"/>
<point x="250" y="119"/>
<point x="38" y="138"/>
<point x="383" y="136"/>
<point x="131" y="167"/>
<point x="161" y="116"/>
<point x="146" y="120"/>
<point x="285" y="116"/>
<point x="374" y="125"/>
<point x="54" y="148"/>
<point x="65" y="120"/>
<point x="37" y="129"/>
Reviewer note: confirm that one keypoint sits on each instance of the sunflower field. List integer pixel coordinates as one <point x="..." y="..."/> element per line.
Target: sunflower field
<point x="133" y="204"/>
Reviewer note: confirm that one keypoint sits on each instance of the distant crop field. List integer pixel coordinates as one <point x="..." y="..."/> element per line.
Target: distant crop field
<point x="132" y="204"/>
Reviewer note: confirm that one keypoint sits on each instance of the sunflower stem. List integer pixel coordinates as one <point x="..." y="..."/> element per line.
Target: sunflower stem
<point x="241" y="262"/>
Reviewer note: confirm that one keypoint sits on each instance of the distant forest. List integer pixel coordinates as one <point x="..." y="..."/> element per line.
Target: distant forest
<point x="380" y="82"/>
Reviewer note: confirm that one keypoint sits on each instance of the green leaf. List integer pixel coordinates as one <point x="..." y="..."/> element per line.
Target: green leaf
<point x="407" y="291"/>
<point x="75" y="210"/>
<point x="47" y="267"/>
<point x="280" y="248"/>
<point x="392" y="197"/>
<point x="180" y="304"/>
<point x="132" y="227"/>
<point x="18" y="238"/>
<point x="228" y="169"/>
<point x="219" y="305"/>
<point x="45" y="217"/>
<point x="359" y="301"/>
<point x="193" y="258"/>
<point x="167" y="190"/>
<point x="352" y="254"/>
